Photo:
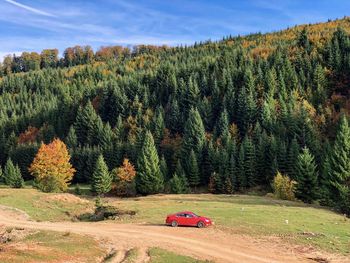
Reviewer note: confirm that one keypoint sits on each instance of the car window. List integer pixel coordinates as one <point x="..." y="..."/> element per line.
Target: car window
<point x="180" y="215"/>
<point x="188" y="215"/>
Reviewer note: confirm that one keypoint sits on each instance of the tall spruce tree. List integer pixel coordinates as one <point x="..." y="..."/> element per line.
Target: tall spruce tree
<point x="193" y="170"/>
<point x="101" y="177"/>
<point x="306" y="176"/>
<point x="149" y="179"/>
<point x="194" y="134"/>
<point x="340" y="166"/>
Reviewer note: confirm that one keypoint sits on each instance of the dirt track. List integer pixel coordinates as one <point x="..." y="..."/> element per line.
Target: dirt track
<point x="209" y="243"/>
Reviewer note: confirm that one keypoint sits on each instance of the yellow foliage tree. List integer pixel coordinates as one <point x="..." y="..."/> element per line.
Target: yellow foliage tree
<point x="124" y="177"/>
<point x="284" y="188"/>
<point x="51" y="167"/>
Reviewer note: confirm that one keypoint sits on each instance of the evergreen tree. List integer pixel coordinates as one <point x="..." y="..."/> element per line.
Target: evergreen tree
<point x="71" y="139"/>
<point x="101" y="177"/>
<point x="221" y="129"/>
<point x="194" y="135"/>
<point x="178" y="185"/>
<point x="85" y="123"/>
<point x="340" y="165"/>
<point x="292" y="157"/>
<point x="149" y="179"/>
<point x="306" y="176"/>
<point x="193" y="170"/>
<point x="164" y="168"/>
<point x="12" y="175"/>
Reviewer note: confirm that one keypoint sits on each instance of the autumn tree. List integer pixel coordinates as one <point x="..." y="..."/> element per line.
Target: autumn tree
<point x="124" y="178"/>
<point x="51" y="167"/>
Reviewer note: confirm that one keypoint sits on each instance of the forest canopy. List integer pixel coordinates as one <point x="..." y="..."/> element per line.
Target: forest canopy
<point x="229" y="114"/>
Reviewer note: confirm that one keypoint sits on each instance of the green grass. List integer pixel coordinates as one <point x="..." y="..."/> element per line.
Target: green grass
<point x="131" y="255"/>
<point x="242" y="214"/>
<point x="159" y="255"/>
<point x="43" y="206"/>
<point x="47" y="246"/>
<point x="251" y="215"/>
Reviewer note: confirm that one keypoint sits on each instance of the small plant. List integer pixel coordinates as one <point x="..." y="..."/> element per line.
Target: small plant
<point x="284" y="188"/>
<point x="77" y="189"/>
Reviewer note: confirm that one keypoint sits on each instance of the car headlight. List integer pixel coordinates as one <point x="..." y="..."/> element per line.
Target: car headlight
<point x="207" y="220"/>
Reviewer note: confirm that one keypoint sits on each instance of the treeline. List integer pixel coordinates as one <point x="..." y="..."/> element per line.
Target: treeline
<point x="211" y="115"/>
<point x="72" y="56"/>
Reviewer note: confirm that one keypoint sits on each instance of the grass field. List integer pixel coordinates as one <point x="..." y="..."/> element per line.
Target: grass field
<point x="47" y="246"/>
<point x="42" y="206"/>
<point x="159" y="255"/>
<point x="242" y="214"/>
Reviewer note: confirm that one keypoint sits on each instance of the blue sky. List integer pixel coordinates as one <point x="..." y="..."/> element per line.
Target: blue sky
<point x="34" y="25"/>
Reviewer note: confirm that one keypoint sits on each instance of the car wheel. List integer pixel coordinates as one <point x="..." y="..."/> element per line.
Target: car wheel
<point x="174" y="224"/>
<point x="200" y="224"/>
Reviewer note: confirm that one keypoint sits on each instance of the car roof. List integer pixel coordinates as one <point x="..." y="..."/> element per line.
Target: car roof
<point x="185" y="212"/>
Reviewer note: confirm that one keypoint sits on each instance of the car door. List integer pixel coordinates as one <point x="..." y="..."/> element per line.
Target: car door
<point x="190" y="220"/>
<point x="181" y="219"/>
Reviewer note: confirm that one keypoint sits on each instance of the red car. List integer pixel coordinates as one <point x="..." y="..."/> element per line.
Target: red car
<point x="187" y="219"/>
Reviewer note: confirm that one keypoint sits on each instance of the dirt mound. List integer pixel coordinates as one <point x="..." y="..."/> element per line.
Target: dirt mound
<point x="13" y="234"/>
<point x="67" y="198"/>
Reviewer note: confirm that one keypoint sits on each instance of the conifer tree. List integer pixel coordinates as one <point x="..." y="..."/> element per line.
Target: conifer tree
<point x="340" y="165"/>
<point x="292" y="157"/>
<point x="149" y="179"/>
<point x="221" y="128"/>
<point x="85" y="123"/>
<point x="12" y="175"/>
<point x="306" y="176"/>
<point x="71" y="139"/>
<point x="178" y="185"/>
<point x="164" y="168"/>
<point x="101" y="177"/>
<point x="193" y="170"/>
<point x="194" y="134"/>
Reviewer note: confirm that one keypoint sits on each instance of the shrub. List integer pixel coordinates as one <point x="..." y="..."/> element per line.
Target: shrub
<point x="284" y="188"/>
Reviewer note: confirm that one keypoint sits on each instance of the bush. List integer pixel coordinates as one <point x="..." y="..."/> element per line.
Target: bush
<point x="284" y="188"/>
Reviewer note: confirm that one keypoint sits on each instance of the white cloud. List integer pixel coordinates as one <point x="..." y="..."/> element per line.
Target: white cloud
<point x="31" y="9"/>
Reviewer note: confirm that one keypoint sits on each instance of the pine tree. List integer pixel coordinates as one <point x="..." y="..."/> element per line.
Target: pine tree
<point x="306" y="176"/>
<point x="249" y="163"/>
<point x="149" y="179"/>
<point x="158" y="127"/>
<point x="221" y="128"/>
<point x="85" y="123"/>
<point x="71" y="139"/>
<point x="340" y="165"/>
<point x="194" y="134"/>
<point x="193" y="170"/>
<point x="292" y="157"/>
<point x="164" y="168"/>
<point x="101" y="177"/>
<point x="12" y="175"/>
<point x="177" y="185"/>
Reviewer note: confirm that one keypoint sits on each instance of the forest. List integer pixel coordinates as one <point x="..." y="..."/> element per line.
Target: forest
<point x="224" y="116"/>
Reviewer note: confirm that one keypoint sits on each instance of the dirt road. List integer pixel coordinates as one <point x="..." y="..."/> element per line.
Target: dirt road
<point x="209" y="243"/>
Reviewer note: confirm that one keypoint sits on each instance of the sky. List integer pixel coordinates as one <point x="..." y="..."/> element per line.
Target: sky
<point x="38" y="24"/>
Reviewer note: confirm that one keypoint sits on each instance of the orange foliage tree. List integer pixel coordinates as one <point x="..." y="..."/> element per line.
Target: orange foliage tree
<point x="51" y="167"/>
<point x="124" y="177"/>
